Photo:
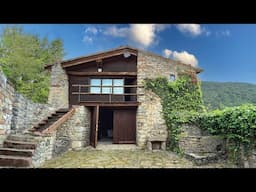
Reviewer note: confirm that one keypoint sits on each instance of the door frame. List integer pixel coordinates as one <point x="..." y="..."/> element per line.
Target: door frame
<point x="94" y="126"/>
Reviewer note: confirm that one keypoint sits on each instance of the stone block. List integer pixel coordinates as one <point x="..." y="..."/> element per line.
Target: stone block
<point x="77" y="144"/>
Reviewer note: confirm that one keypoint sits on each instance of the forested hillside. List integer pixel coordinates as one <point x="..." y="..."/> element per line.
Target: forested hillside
<point x="218" y="95"/>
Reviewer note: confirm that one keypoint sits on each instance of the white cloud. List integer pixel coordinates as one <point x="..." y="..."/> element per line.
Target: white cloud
<point x="167" y="53"/>
<point x="142" y="34"/>
<point x="225" y="33"/>
<point x="182" y="56"/>
<point x="193" y="29"/>
<point x="87" y="39"/>
<point x="116" y="32"/>
<point x="92" y="30"/>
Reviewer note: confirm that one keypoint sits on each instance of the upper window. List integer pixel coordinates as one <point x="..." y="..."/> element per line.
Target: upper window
<point x="172" y="77"/>
<point x="107" y="86"/>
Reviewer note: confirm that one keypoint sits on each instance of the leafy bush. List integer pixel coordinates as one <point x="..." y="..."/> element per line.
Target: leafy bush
<point x="236" y="124"/>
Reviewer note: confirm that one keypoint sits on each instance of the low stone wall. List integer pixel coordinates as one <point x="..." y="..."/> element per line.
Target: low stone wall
<point x="27" y="113"/>
<point x="74" y="133"/>
<point x="6" y="100"/>
<point x="194" y="140"/>
<point x="18" y="113"/>
<point x="44" y="149"/>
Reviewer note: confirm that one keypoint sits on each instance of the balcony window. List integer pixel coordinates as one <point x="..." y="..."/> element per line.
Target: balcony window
<point x="107" y="86"/>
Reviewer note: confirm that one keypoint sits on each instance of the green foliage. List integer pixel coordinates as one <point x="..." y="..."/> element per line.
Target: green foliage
<point x="182" y="103"/>
<point x="236" y="124"/>
<point x="22" y="58"/>
<point x="180" y="100"/>
<point x="220" y="95"/>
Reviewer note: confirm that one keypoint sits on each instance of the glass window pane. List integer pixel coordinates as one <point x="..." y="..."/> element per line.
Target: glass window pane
<point x="118" y="82"/>
<point x="95" y="82"/>
<point x="95" y="90"/>
<point x="118" y="90"/>
<point x="106" y="82"/>
<point x="107" y="90"/>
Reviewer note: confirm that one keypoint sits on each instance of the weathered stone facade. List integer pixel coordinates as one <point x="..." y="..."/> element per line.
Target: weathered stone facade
<point x="74" y="133"/>
<point x="200" y="146"/>
<point x="150" y="121"/>
<point x="194" y="140"/>
<point x="249" y="160"/>
<point x="6" y="100"/>
<point x="44" y="149"/>
<point x="18" y="113"/>
<point x="58" y="95"/>
<point x="27" y="113"/>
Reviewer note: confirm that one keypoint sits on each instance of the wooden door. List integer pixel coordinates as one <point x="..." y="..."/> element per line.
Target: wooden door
<point x="124" y="129"/>
<point x="94" y="126"/>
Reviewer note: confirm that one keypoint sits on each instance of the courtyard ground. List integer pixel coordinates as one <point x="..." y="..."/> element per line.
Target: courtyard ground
<point x="93" y="158"/>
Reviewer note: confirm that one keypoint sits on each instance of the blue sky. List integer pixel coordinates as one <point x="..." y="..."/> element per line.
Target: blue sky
<point x="226" y="52"/>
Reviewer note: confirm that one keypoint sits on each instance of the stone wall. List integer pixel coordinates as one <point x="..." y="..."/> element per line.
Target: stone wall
<point x="247" y="161"/>
<point x="27" y="113"/>
<point x="194" y="140"/>
<point x="6" y="100"/>
<point x="150" y="121"/>
<point x="58" y="95"/>
<point x="74" y="133"/>
<point x="44" y="149"/>
<point x="18" y="113"/>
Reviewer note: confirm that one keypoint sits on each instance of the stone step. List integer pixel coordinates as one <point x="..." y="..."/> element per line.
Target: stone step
<point x="14" y="161"/>
<point x="63" y="110"/>
<point x="19" y="144"/>
<point x="43" y="122"/>
<point x="16" y="152"/>
<point x="204" y="158"/>
<point x="26" y="138"/>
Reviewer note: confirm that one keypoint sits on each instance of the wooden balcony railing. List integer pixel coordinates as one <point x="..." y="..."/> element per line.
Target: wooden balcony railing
<point x="110" y="95"/>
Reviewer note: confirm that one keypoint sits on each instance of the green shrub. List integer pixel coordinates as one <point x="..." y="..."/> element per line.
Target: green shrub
<point x="180" y="99"/>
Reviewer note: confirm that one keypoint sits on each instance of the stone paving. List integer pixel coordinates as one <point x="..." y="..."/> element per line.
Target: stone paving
<point x="93" y="158"/>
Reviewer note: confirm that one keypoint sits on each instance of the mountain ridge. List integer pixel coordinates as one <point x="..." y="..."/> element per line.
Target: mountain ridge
<point x="217" y="95"/>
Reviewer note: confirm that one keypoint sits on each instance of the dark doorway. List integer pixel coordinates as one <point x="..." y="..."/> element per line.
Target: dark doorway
<point x="105" y="132"/>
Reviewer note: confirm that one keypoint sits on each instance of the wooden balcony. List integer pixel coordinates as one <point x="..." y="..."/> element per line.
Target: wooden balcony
<point x="85" y="96"/>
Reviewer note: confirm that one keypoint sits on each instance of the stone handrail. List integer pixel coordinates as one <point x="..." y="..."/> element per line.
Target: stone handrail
<point x="59" y="122"/>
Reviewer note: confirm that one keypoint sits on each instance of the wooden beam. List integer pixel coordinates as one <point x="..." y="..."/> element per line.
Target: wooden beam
<point x="59" y="122"/>
<point x="93" y="103"/>
<point x="79" y="73"/>
<point x="125" y="86"/>
<point x="81" y="93"/>
<point x="100" y="56"/>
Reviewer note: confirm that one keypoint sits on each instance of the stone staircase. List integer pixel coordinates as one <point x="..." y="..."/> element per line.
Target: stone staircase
<point x="45" y="123"/>
<point x="18" y="149"/>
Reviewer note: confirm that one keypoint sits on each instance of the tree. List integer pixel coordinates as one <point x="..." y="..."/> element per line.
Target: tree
<point x="22" y="58"/>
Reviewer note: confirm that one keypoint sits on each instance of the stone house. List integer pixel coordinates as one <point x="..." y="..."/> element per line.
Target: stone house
<point x="109" y="86"/>
<point x="98" y="98"/>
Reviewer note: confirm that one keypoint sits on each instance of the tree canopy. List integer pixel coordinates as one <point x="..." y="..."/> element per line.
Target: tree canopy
<point x="22" y="59"/>
<point x="220" y="95"/>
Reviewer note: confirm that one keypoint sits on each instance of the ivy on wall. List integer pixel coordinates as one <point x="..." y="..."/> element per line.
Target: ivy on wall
<point x="236" y="124"/>
<point x="182" y="103"/>
<point x="180" y="99"/>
